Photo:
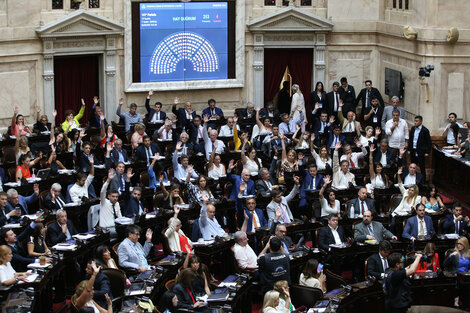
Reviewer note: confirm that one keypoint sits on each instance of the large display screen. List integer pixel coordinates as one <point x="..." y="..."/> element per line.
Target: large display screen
<point x="183" y="41"/>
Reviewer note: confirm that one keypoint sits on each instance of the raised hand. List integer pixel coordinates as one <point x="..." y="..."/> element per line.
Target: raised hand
<point x="278" y="212"/>
<point x="402" y="151"/>
<point x="179" y="145"/>
<point x="82" y="133"/>
<point x="102" y="116"/>
<point x="121" y="101"/>
<point x="341" y="102"/>
<point x="312" y="137"/>
<point x="148" y="234"/>
<point x="38" y="109"/>
<point x="216" y="144"/>
<point x="129" y="173"/>
<point x="300" y="156"/>
<point x="378" y="131"/>
<point x="317" y="106"/>
<point x="176" y="100"/>
<point x="111" y="174"/>
<point x="235" y="118"/>
<point x="91" y="159"/>
<point x="177" y="209"/>
<point x="83" y="102"/>
<point x="372" y="149"/>
<point x="150" y="92"/>
<point x="299" y="108"/>
<point x="296" y="180"/>
<point x="109" y="147"/>
<point x="206" y="118"/>
<point x="400" y="170"/>
<point x="16" y="110"/>
<point x="231" y="165"/>
<point x="242" y="187"/>
<point x="53" y="148"/>
<point x="327" y="179"/>
<point x="95" y="268"/>
<point x="297" y="126"/>
<point x="36" y="189"/>
<point x="357" y="142"/>
<point x="54" y="113"/>
<point x="96" y="100"/>
<point x="190" y="169"/>
<point x="332" y="119"/>
<point x="338" y="145"/>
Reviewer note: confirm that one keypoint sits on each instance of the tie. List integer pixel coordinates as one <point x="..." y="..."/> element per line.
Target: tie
<point x="285" y="216"/>
<point x="122" y="183"/>
<point x="385" y="264"/>
<point x="255" y="219"/>
<point x="167" y="135"/>
<point x="231" y="131"/>
<point x="114" y="211"/>
<point x="362" y="207"/>
<point x="352" y="163"/>
<point x="336" y="102"/>
<point x="322" y="127"/>
<point x="367" y="98"/>
<point x="157" y="116"/>
<point x="336" y="141"/>
<point x="149" y="155"/>
<point x="212" y="146"/>
<point x="313" y="183"/>
<point x="370" y="230"/>
<point x="457" y="227"/>
<point x="421" y="228"/>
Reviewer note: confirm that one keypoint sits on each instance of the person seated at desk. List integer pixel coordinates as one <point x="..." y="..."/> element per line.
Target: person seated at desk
<point x="322" y="160"/>
<point x="238" y="180"/>
<point x="147" y="150"/>
<point x="311" y="181"/>
<point x="82" y="300"/>
<point x="186" y="147"/>
<point x="289" y="162"/>
<point x="353" y="157"/>
<point x="172" y="198"/>
<point x="8" y="276"/>
<point x="359" y="205"/>
<point x="195" y="131"/>
<point x="132" y="204"/>
<point x="227" y="129"/>
<point x="265" y="184"/>
<point x="270" y="112"/>
<point x="199" y="190"/>
<point x="20" y="203"/>
<point x="251" y="162"/>
<point x="37" y="244"/>
<point x="156" y="114"/>
<point x="348" y="125"/>
<point x="273" y="265"/>
<point x="177" y="240"/>
<point x="433" y="266"/>
<point x="271" y="302"/>
<point x="5" y="213"/>
<point x="24" y="164"/>
<point x="280" y="231"/>
<point x="212" y="111"/>
<point x="371" y="230"/>
<point x="311" y="277"/>
<point x="255" y="216"/>
<point x="335" y="135"/>
<point x="101" y="286"/>
<point x="118" y="154"/>
<point x="130" y="117"/>
<point x="94" y="117"/>
<point x="85" y="158"/>
<point x="419" y="226"/>
<point x="285" y="304"/>
<point x="456" y="223"/>
<point x="79" y="191"/>
<point x="464" y="148"/>
<point x="208" y="224"/>
<point x="215" y="168"/>
<point x="281" y="203"/>
<point x="432" y="201"/>
<point x="249" y="111"/>
<point x="377" y="264"/>
<point x="119" y="181"/>
<point x="329" y="205"/>
<point x="410" y="200"/>
<point x="61" y="231"/>
<point x="377" y="177"/>
<point x="54" y="164"/>
<point x="130" y="251"/>
<point x="103" y="257"/>
<point x="184" y="291"/>
<point x="180" y="169"/>
<point x="459" y="259"/>
<point x="384" y="155"/>
<point x="331" y="234"/>
<point x="246" y="258"/>
<point x="138" y="136"/>
<point x="109" y="206"/>
<point x="71" y="121"/>
<point x="166" y="132"/>
<point x="369" y="138"/>
<point x="342" y="178"/>
<point x="199" y="285"/>
<point x="107" y="134"/>
<point x="410" y="176"/>
<point x="209" y="140"/>
<point x="42" y="122"/>
<point x="288" y="125"/>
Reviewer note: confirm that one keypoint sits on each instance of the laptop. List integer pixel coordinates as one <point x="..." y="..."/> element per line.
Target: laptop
<point x="44" y="173"/>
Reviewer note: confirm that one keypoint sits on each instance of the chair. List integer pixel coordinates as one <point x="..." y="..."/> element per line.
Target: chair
<point x="395" y="201"/>
<point x="334" y="281"/>
<point x="365" y="269"/>
<point x="42" y="197"/>
<point x="196" y="231"/>
<point x="235" y="264"/>
<point x="117" y="279"/>
<point x="317" y="231"/>
<point x="9" y="156"/>
<point x="170" y="284"/>
<point x="354" y="225"/>
<point x="144" y="179"/>
<point x="440" y="225"/>
<point x="47" y="237"/>
<point x="303" y="295"/>
<point x="158" y="199"/>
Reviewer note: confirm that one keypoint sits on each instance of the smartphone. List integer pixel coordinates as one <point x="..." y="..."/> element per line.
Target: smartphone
<point x="319" y="268"/>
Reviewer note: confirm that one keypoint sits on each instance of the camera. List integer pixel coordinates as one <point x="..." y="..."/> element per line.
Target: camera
<point x="426" y="71"/>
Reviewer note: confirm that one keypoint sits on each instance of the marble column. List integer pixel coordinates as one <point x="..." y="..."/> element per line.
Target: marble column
<point x="319" y="52"/>
<point x="48" y="77"/>
<point x="258" y="71"/>
<point x="110" y="102"/>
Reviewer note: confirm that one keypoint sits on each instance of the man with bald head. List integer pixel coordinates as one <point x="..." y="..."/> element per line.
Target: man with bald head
<point x="361" y="204"/>
<point x="371" y="230"/>
<point x="209" y="140"/>
<point x="183" y="114"/>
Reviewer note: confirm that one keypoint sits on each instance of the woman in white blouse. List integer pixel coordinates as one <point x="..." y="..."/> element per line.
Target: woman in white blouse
<point x="252" y="162"/>
<point x="177" y="240"/>
<point x="215" y="168"/>
<point x="369" y="137"/>
<point x="8" y="276"/>
<point x="311" y="277"/>
<point x="330" y="205"/>
<point x="410" y="198"/>
<point x="270" y="302"/>
<point x="323" y="159"/>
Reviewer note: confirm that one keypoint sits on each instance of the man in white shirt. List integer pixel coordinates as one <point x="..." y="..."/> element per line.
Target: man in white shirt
<point x="353" y="157"/>
<point x="244" y="254"/>
<point x="342" y="178"/>
<point x="388" y="110"/>
<point x="109" y="206"/>
<point x="80" y="188"/>
<point x="227" y="130"/>
<point x="397" y="132"/>
<point x="181" y="169"/>
<point x="208" y="224"/>
<point x="448" y="133"/>
<point x="209" y="140"/>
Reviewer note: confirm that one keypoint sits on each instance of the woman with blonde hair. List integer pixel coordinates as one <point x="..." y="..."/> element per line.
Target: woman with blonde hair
<point x="459" y="259"/>
<point x="271" y="301"/>
<point x="285" y="304"/>
<point x="21" y="147"/>
<point x="410" y="198"/>
<point x="8" y="276"/>
<point x="138" y="135"/>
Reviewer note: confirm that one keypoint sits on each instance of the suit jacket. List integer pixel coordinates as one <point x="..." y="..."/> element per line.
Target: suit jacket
<point x="236" y="180"/>
<point x="192" y="131"/>
<point x="330" y="98"/>
<point x="40" y="127"/>
<point x="387" y="115"/>
<point x="101" y="287"/>
<point x="314" y="98"/>
<point x="131" y="204"/>
<point x="380" y="232"/>
<point x="24" y="202"/>
<point x="449" y="225"/>
<point x="151" y="111"/>
<point x="54" y="231"/>
<point x="244" y="113"/>
<point x="375" y="266"/>
<point x="306" y="184"/>
<point x="83" y="161"/>
<point x="325" y="237"/>
<point x="261" y="219"/>
<point x="141" y="152"/>
<point x="362" y="97"/>
<point x="344" y="121"/>
<point x="331" y="137"/>
<point x="411" y="227"/>
<point x="264" y="113"/>
<point x="218" y="111"/>
<point x="423" y="145"/>
<point x="128" y="258"/>
<point x="349" y="97"/>
<point x="388" y="156"/>
<point x="272" y="206"/>
<point x="184" y="298"/>
<point x="181" y="115"/>
<point x="114" y="155"/>
<point x="262" y="187"/>
<point x="375" y="120"/>
<point x="356" y="203"/>
<point x="316" y="126"/>
<point x="94" y="119"/>
<point x="52" y="206"/>
<point x="21" y="259"/>
<point x="419" y="176"/>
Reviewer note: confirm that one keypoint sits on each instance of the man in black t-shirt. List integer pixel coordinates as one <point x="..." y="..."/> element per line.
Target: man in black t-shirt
<point x="397" y="285"/>
<point x="273" y="266"/>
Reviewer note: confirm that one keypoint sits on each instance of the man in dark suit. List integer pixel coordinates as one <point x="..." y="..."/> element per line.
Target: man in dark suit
<point x="271" y="112"/>
<point x="384" y="155"/>
<point x="334" y="136"/>
<point x="54" y="200"/>
<point x="371" y="230"/>
<point x="420" y="145"/>
<point x="409" y="176"/>
<point x="84" y="155"/>
<point x="61" y="230"/>
<point x="361" y="204"/>
<point x="378" y="263"/>
<point x="21" y="203"/>
<point x="5" y="214"/>
<point x="331" y="234"/>
<point x="311" y="181"/>
<point x="280" y="231"/>
<point x="212" y="111"/>
<point x="95" y="113"/>
<point x="373" y="114"/>
<point x="255" y="216"/>
<point x="118" y="154"/>
<point x="265" y="184"/>
<point x="101" y="287"/>
<point x="156" y="114"/>
<point x="236" y="180"/>
<point x="365" y="96"/>
<point x="334" y="99"/>
<point x="147" y="150"/>
<point x="184" y="115"/>
<point x="348" y="94"/>
<point x="21" y="258"/>
<point x="249" y="111"/>
<point x="456" y="223"/>
<point x="419" y="225"/>
<point x="132" y="204"/>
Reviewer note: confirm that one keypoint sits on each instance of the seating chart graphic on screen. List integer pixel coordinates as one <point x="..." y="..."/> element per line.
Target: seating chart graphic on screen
<point x="183" y="41"/>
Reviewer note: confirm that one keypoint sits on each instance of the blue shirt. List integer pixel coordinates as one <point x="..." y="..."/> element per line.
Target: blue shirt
<point x="289" y="128"/>
<point x="416" y="135"/>
<point x="129" y="118"/>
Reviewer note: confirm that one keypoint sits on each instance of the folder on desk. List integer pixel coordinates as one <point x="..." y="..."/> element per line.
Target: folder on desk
<point x="220" y="296"/>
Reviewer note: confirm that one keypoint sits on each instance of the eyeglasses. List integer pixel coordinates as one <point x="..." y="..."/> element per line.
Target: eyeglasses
<point x="283" y="231"/>
<point x="137" y="234"/>
<point x="44" y="121"/>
